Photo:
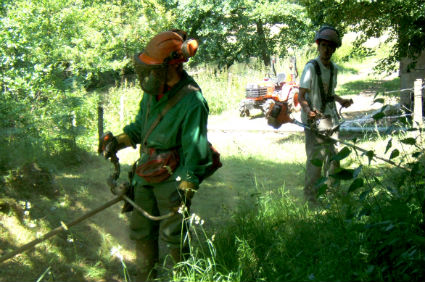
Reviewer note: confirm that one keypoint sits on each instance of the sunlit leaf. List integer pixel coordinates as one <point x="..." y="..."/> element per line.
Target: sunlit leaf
<point x="403" y="120"/>
<point x="389" y="145"/>
<point x="409" y="141"/>
<point x="379" y="100"/>
<point x="416" y="154"/>
<point x="378" y="116"/>
<point x="376" y="95"/>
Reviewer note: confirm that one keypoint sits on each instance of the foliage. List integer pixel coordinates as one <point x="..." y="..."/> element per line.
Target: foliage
<point x="402" y="20"/>
<point x="234" y="31"/>
<point x="370" y="229"/>
<point x="53" y="54"/>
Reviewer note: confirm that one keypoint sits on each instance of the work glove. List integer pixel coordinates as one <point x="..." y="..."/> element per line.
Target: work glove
<point x="346" y="102"/>
<point x="181" y="198"/>
<point x="109" y="145"/>
<point x="312" y="115"/>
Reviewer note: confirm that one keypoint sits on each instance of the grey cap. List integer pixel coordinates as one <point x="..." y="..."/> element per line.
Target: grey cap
<point x="328" y="33"/>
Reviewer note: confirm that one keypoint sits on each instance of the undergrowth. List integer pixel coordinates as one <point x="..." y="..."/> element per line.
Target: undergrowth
<point x="370" y="229"/>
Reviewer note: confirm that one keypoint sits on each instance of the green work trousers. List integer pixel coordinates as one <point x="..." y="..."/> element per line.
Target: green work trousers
<point x="318" y="148"/>
<point x="158" y="199"/>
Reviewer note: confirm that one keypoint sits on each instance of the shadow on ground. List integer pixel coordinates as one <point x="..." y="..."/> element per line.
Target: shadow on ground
<point x="239" y="181"/>
<point x="78" y="254"/>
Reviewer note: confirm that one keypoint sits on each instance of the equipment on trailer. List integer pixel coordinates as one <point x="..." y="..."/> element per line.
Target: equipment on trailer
<point x="260" y="95"/>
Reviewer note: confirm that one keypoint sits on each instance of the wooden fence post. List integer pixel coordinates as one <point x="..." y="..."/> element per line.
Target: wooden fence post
<point x="417" y="110"/>
<point x="100" y="120"/>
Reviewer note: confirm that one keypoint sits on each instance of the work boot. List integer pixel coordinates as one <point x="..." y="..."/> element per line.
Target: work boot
<point x="179" y="254"/>
<point x="147" y="255"/>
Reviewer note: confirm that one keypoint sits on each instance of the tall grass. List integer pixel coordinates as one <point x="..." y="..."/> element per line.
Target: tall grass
<point x="276" y="239"/>
<point x="369" y="232"/>
<point x="365" y="236"/>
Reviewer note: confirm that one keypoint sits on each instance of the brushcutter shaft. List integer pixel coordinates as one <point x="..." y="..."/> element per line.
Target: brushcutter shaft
<point x="59" y="229"/>
<point x="145" y="213"/>
<point x="65" y="226"/>
<point x="347" y="144"/>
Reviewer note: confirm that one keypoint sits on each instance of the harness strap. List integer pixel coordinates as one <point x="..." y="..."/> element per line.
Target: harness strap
<point x="325" y="97"/>
<point x="171" y="103"/>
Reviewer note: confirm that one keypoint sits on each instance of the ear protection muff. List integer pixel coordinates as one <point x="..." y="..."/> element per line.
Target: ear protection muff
<point x="189" y="48"/>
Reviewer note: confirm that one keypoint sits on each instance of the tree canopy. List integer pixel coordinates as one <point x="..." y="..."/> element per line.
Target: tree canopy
<point x="403" y="19"/>
<point x="54" y="53"/>
<point x="233" y="31"/>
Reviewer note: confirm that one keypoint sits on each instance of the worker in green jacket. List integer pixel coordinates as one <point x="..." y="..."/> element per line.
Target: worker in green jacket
<point x="174" y="150"/>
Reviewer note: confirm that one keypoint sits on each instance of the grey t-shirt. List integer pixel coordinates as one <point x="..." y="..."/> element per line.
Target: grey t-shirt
<point x="310" y="82"/>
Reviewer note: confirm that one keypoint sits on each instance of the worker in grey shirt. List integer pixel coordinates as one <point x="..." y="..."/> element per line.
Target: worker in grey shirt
<point x="317" y="98"/>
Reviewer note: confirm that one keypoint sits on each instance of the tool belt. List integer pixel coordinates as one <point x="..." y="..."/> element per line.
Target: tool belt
<point x="159" y="166"/>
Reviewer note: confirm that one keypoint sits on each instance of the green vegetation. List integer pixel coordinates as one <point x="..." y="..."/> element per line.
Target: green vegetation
<point x="60" y="60"/>
<point x="370" y="229"/>
<point x="401" y="21"/>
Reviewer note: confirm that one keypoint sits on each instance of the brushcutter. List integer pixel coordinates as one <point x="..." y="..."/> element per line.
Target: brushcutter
<point x="279" y="114"/>
<point x="121" y="194"/>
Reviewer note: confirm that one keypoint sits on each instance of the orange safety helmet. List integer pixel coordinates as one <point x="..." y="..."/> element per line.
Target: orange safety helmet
<point x="163" y="49"/>
<point x="168" y="47"/>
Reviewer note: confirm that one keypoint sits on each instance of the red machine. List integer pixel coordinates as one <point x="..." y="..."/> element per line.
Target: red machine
<point x="262" y="94"/>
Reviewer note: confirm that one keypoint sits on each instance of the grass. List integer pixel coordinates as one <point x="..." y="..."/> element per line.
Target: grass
<point x="256" y="225"/>
<point x="83" y="252"/>
<point x="273" y="237"/>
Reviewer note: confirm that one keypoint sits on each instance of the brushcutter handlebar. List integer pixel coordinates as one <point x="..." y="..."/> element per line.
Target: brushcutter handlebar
<point x="112" y="179"/>
<point x="121" y="191"/>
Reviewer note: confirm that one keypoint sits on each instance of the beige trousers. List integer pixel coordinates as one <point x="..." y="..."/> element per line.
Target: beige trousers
<point x="319" y="148"/>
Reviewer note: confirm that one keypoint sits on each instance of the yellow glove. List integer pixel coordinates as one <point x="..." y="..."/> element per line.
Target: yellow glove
<point x="124" y="141"/>
<point x="188" y="189"/>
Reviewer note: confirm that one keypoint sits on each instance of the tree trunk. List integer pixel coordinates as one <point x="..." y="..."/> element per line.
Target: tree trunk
<point x="262" y="43"/>
<point x="408" y="75"/>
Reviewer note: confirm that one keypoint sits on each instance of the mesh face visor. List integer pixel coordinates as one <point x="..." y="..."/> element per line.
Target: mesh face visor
<point x="151" y="77"/>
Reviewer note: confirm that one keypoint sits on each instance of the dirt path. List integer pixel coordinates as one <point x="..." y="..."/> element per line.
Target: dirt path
<point x="246" y="145"/>
<point x="230" y="121"/>
<point x="230" y="133"/>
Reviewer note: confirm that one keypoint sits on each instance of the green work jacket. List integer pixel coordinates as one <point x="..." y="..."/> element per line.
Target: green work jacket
<point x="183" y="127"/>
